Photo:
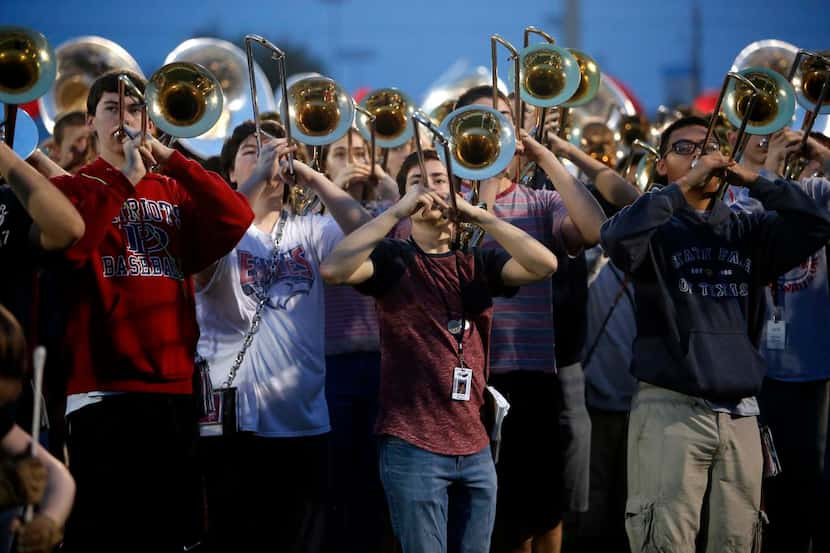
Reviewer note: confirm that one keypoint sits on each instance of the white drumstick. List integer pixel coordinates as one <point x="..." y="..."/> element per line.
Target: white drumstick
<point x="39" y="361"/>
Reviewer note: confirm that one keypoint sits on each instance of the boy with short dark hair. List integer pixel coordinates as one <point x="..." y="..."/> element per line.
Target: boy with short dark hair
<point x="699" y="273"/>
<point x="132" y="330"/>
<point x="435" y="313"/>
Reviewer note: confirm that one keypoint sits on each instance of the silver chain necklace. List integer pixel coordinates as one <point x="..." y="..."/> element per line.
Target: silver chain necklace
<point x="249" y="336"/>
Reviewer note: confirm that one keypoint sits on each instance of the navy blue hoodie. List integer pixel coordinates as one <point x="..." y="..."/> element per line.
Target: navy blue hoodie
<point x="699" y="282"/>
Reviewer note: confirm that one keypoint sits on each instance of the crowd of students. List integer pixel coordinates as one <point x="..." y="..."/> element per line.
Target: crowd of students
<point x="355" y="345"/>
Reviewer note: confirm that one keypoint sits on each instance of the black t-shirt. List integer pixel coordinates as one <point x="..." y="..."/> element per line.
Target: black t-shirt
<point x="17" y="257"/>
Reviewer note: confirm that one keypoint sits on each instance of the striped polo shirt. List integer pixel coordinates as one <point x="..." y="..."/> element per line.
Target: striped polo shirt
<point x="523" y="336"/>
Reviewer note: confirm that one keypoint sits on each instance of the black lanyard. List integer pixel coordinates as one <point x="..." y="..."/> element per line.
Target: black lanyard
<point x="456" y="327"/>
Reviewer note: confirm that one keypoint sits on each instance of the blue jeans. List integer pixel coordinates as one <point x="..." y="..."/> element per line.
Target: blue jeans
<point x="438" y="503"/>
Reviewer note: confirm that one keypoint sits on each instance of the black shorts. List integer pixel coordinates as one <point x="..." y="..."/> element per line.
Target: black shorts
<point x="530" y="479"/>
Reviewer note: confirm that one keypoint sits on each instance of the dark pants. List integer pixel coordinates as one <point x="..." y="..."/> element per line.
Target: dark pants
<point x="357" y="521"/>
<point x="531" y="498"/>
<point x="134" y="461"/>
<point x="797" y="501"/>
<point x="265" y="494"/>
<point x="602" y="528"/>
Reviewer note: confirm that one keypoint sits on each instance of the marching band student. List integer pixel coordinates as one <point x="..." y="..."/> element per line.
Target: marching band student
<point x="530" y="468"/>
<point x="41" y="480"/>
<point x="570" y="321"/>
<point x="795" y="398"/>
<point x="132" y="331"/>
<point x="435" y="313"/>
<point x="694" y="448"/>
<point x="31" y="210"/>
<point x="357" y="520"/>
<point x="74" y="141"/>
<point x="271" y="281"/>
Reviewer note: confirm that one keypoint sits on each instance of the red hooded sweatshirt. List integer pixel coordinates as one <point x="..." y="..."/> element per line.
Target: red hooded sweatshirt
<point x="131" y="318"/>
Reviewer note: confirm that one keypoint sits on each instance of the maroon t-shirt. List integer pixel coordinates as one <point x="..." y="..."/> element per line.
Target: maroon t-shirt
<point x="417" y="295"/>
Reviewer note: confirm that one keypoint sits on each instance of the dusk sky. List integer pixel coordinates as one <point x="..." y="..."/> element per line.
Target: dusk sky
<point x="409" y="44"/>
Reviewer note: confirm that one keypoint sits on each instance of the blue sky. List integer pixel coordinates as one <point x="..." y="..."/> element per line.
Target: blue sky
<point x="409" y="44"/>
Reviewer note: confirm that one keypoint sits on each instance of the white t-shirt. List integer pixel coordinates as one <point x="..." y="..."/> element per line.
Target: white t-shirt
<point x="281" y="381"/>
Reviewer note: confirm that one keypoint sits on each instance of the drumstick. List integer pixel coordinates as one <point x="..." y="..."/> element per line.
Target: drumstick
<point x="39" y="361"/>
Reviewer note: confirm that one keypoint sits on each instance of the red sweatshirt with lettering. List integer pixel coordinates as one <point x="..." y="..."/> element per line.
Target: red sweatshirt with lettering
<point x="131" y="317"/>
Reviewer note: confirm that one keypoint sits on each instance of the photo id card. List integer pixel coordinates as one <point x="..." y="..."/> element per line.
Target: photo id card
<point x="462" y="381"/>
<point x="776" y="335"/>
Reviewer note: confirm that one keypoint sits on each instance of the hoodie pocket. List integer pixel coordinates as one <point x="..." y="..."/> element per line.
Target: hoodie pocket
<point x="724" y="364"/>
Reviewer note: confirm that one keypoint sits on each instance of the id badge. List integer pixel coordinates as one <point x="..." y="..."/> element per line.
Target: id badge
<point x="776" y="335"/>
<point x="462" y="381"/>
<point x="223" y="420"/>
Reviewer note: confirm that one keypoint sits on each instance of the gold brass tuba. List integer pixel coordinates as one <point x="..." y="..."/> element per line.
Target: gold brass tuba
<point x="27" y="70"/>
<point x="228" y="63"/>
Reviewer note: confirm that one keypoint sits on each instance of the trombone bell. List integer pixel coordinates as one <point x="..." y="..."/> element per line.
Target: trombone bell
<point x="320" y="111"/>
<point x="808" y="82"/>
<point x="774" y="107"/>
<point x="185" y="99"/>
<point x="548" y="74"/>
<point x="588" y="80"/>
<point x="392" y="110"/>
<point x="27" y="65"/>
<point x="482" y="141"/>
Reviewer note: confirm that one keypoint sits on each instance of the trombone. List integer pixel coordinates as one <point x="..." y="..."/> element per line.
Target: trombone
<point x="465" y="235"/>
<point x="758" y="101"/>
<point x="27" y="71"/>
<point x="389" y="111"/>
<point x="810" y="76"/>
<point x="182" y="99"/>
<point x="315" y="110"/>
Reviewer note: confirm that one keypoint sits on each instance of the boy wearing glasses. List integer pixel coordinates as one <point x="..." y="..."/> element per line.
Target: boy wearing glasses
<point x="699" y="271"/>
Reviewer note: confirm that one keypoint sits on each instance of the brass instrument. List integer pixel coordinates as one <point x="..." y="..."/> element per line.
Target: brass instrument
<point x="79" y="62"/>
<point x="392" y="110"/>
<point x="302" y="201"/>
<point x="184" y="99"/>
<point x="480" y="144"/>
<point x="757" y="101"/>
<point x="465" y="235"/>
<point x="810" y="75"/>
<point x="228" y="63"/>
<point x="481" y="141"/>
<point x="441" y="98"/>
<point x="27" y="70"/>
<point x="127" y="87"/>
<point x="644" y="175"/>
<point x="389" y="110"/>
<point x="548" y="76"/>
<point x="317" y="111"/>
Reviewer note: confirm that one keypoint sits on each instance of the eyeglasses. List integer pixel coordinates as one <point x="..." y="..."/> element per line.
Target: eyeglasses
<point x="687" y="147"/>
